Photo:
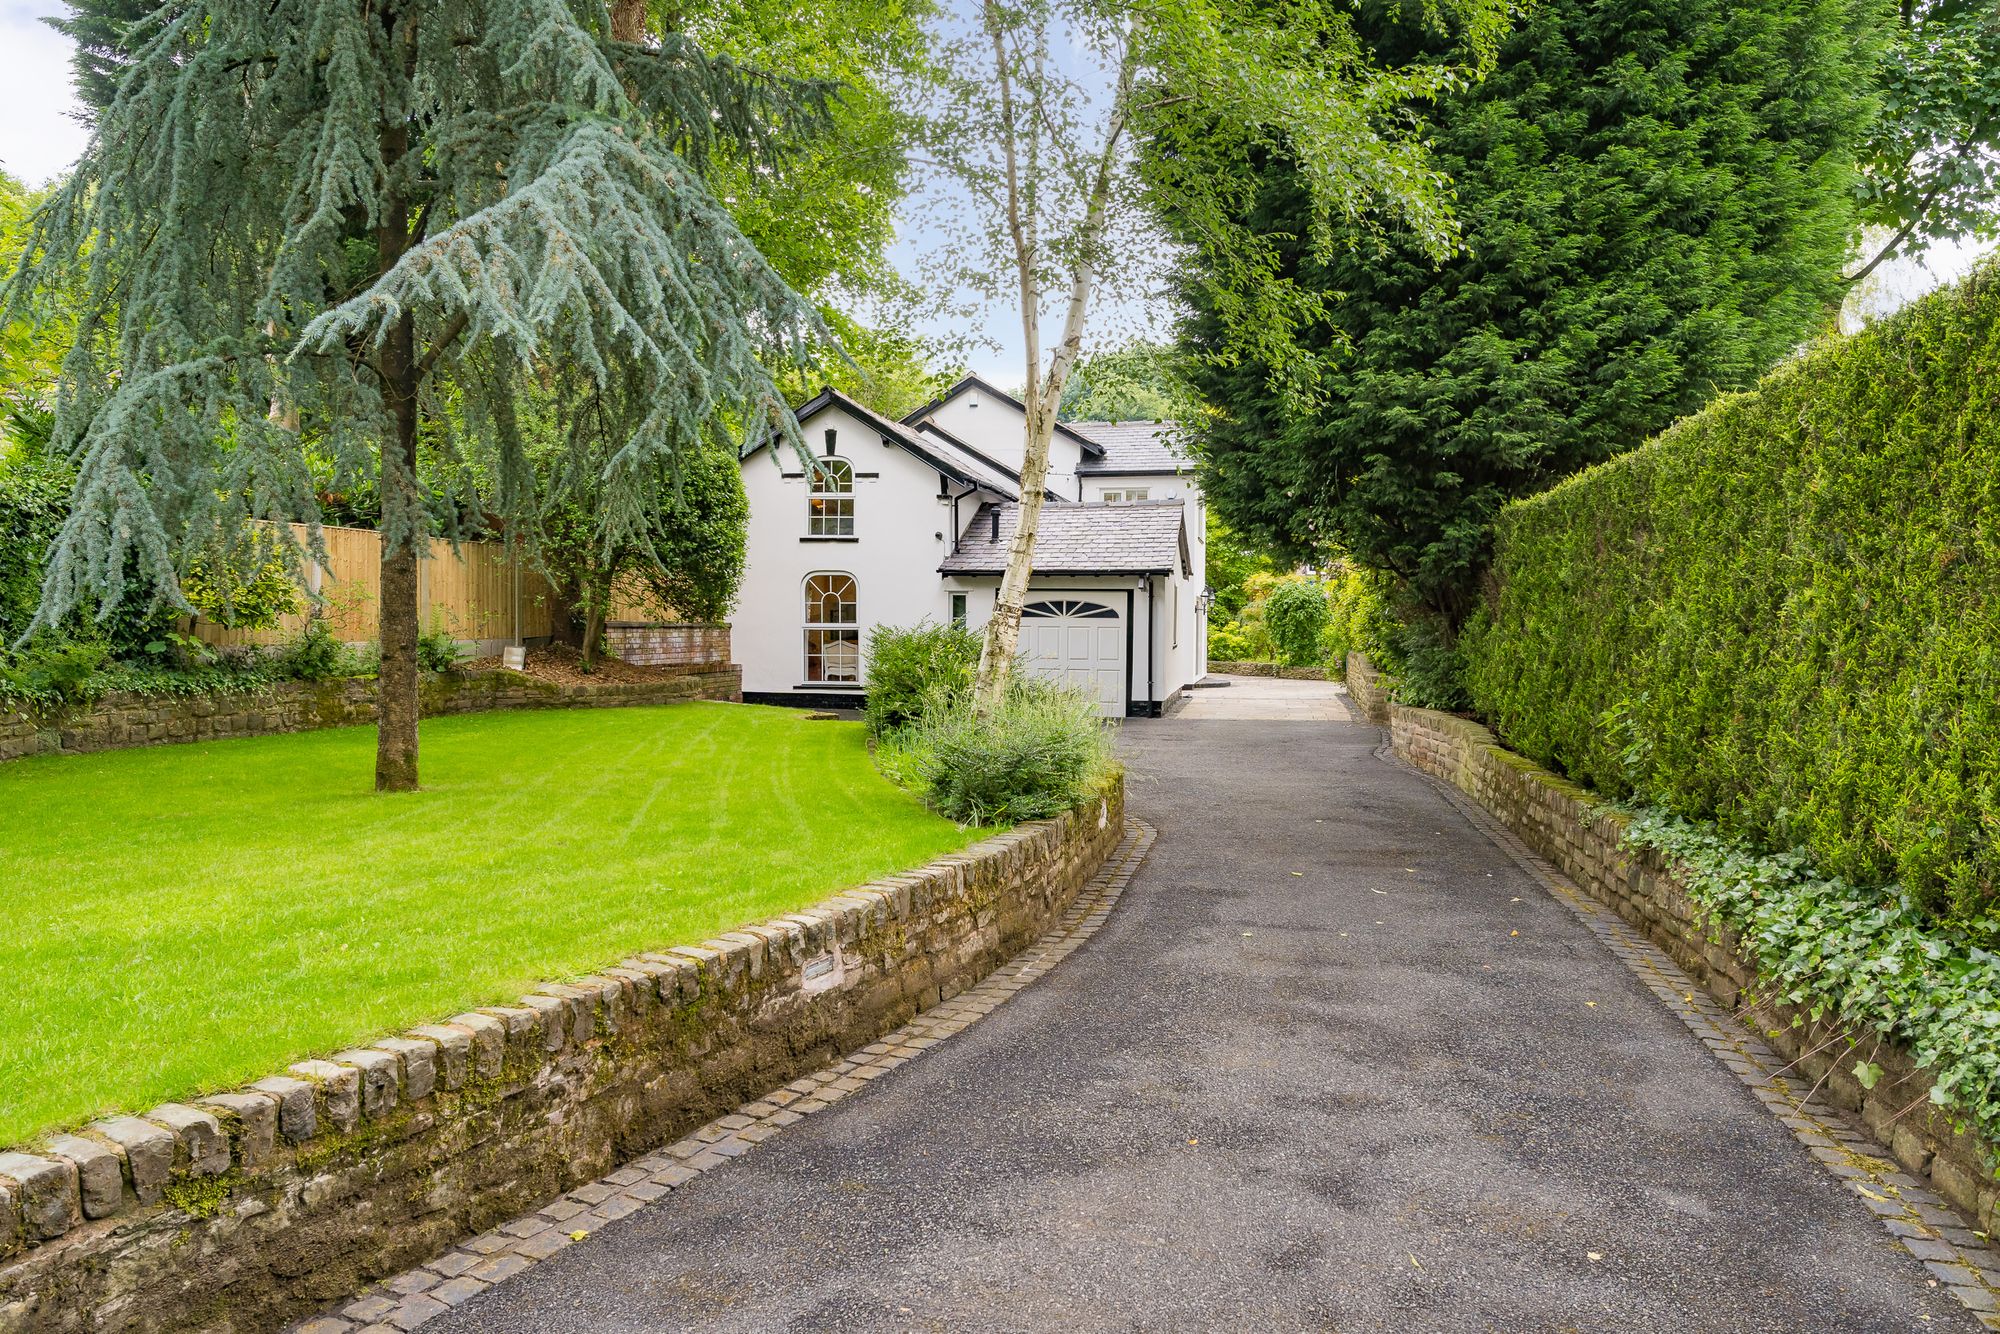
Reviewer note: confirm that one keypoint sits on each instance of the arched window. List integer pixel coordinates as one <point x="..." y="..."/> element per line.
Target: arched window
<point x="833" y="630"/>
<point x="830" y="499"/>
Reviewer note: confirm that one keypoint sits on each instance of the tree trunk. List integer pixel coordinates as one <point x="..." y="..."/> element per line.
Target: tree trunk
<point x="1003" y="631"/>
<point x="403" y="520"/>
<point x="628" y="20"/>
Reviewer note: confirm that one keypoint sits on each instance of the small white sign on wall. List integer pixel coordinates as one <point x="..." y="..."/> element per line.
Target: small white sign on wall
<point x="822" y="974"/>
<point x="514" y="658"/>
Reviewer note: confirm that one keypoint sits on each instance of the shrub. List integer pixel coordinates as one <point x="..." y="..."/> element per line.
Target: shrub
<point x="1296" y="614"/>
<point x="51" y="673"/>
<point x="438" y="651"/>
<point x="1230" y="643"/>
<point x="1779" y="615"/>
<point x="1041" y="753"/>
<point x="227" y="596"/>
<point x="907" y="665"/>
<point x="315" y="655"/>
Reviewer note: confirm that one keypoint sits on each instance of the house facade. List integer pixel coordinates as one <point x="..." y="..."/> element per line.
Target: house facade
<point x="906" y="520"/>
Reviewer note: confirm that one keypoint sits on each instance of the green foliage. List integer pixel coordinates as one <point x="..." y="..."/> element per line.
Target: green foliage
<point x="49" y="673"/>
<point x="1931" y="169"/>
<point x="1228" y="641"/>
<point x="1135" y="383"/>
<point x="1780" y="614"/>
<point x="226" y="595"/>
<point x="34" y="500"/>
<point x="314" y="654"/>
<point x="1040" y="753"/>
<point x="1231" y="562"/>
<point x="1834" y="949"/>
<point x="1297" y="614"/>
<point x="438" y="651"/>
<point x="1360" y="620"/>
<point x="911" y="668"/>
<point x="1656" y="202"/>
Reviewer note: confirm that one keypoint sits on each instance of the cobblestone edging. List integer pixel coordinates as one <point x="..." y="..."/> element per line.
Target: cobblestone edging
<point x="1266" y="669"/>
<point x="1922" y="1178"/>
<point x="239" y="1211"/>
<point x="121" y="720"/>
<point x="413" y="1298"/>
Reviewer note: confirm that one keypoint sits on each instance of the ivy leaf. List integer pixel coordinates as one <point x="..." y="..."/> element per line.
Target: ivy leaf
<point x="1867" y="1074"/>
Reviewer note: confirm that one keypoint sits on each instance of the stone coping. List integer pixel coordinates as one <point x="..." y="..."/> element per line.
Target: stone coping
<point x="238" y="1210"/>
<point x="1583" y="839"/>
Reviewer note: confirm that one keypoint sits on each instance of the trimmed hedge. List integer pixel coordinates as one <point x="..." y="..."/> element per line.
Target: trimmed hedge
<point x="1783" y="614"/>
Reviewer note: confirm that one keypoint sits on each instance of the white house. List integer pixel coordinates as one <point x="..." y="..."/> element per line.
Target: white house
<point x="912" y="519"/>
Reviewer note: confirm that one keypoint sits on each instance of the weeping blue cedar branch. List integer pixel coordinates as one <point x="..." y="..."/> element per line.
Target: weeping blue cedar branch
<point x="224" y="229"/>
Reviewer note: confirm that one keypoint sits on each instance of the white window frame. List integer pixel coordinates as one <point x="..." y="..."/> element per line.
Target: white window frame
<point x="1125" y="495"/>
<point x="961" y="606"/>
<point x="842" y="627"/>
<point x="830" y="498"/>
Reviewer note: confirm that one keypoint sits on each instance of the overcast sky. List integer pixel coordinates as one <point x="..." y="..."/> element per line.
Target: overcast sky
<point x="39" y="138"/>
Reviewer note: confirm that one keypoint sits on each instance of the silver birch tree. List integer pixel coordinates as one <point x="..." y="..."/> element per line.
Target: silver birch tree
<point x="1042" y="103"/>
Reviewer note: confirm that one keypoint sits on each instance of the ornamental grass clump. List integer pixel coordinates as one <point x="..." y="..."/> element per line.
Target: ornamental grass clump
<point x="1040" y="753"/>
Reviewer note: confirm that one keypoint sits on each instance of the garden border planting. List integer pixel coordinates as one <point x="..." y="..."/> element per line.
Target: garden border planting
<point x="239" y="1210"/>
<point x="121" y="721"/>
<point x="1584" y="840"/>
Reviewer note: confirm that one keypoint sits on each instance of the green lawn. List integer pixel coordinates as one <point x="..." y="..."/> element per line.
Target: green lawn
<point x="187" y="918"/>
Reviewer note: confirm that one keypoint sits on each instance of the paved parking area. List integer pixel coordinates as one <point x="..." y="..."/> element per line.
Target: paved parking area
<point x="1266" y="699"/>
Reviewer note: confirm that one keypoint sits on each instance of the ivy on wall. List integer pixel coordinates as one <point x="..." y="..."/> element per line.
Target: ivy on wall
<point x="1783" y="614"/>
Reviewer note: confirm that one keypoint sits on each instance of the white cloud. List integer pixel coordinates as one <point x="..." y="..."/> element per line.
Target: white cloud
<point x="39" y="138"/>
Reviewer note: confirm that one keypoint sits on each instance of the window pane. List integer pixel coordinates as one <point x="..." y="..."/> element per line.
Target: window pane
<point x="833" y="656"/>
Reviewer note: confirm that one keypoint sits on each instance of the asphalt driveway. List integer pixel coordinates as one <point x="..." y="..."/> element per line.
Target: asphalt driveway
<point x="1333" y="1063"/>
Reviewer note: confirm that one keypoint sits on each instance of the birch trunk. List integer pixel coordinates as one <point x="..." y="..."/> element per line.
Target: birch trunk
<point x="1044" y="389"/>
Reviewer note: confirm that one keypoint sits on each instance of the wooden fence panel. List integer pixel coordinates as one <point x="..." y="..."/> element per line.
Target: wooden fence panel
<point x="477" y="593"/>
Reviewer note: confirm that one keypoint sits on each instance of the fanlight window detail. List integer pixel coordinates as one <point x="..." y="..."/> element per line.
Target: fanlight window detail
<point x="830" y="499"/>
<point x="833" y="634"/>
<point x="1064" y="607"/>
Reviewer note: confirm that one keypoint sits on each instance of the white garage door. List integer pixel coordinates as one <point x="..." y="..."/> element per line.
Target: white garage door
<point x="1080" y="642"/>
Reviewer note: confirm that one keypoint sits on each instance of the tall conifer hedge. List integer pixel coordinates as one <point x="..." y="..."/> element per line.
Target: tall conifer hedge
<point x="1784" y="613"/>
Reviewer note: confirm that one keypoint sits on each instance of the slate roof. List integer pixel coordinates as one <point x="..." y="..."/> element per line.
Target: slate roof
<point x="1132" y="447"/>
<point x="1148" y="537"/>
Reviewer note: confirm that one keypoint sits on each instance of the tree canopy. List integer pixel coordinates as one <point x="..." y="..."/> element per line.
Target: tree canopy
<point x="1656" y="203"/>
<point x="297" y="222"/>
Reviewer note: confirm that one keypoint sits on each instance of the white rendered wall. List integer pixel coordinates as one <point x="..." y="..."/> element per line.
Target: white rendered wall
<point x="901" y="532"/>
<point x="999" y="430"/>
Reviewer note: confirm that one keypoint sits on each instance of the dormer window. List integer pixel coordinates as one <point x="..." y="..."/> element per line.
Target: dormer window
<point x="830" y="498"/>
<point x="1128" y="495"/>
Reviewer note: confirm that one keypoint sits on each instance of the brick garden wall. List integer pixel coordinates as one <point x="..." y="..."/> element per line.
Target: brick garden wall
<point x="651" y="644"/>
<point x="1567" y="826"/>
<point x="239" y="1211"/>
<point x="121" y="720"/>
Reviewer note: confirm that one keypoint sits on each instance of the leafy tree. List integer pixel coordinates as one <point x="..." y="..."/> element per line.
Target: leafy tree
<point x="1135" y="383"/>
<point x="1932" y="167"/>
<point x="1296" y="613"/>
<point x="1656" y="201"/>
<point x="1044" y="98"/>
<point x="310" y="218"/>
<point x="1231" y="562"/>
<point x="32" y="342"/>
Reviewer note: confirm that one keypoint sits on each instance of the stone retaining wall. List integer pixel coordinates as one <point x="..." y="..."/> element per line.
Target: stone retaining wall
<point x="122" y="720"/>
<point x="1568" y="827"/>
<point x="239" y="1211"/>
<point x="1267" y="669"/>
<point x="1369" y="690"/>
